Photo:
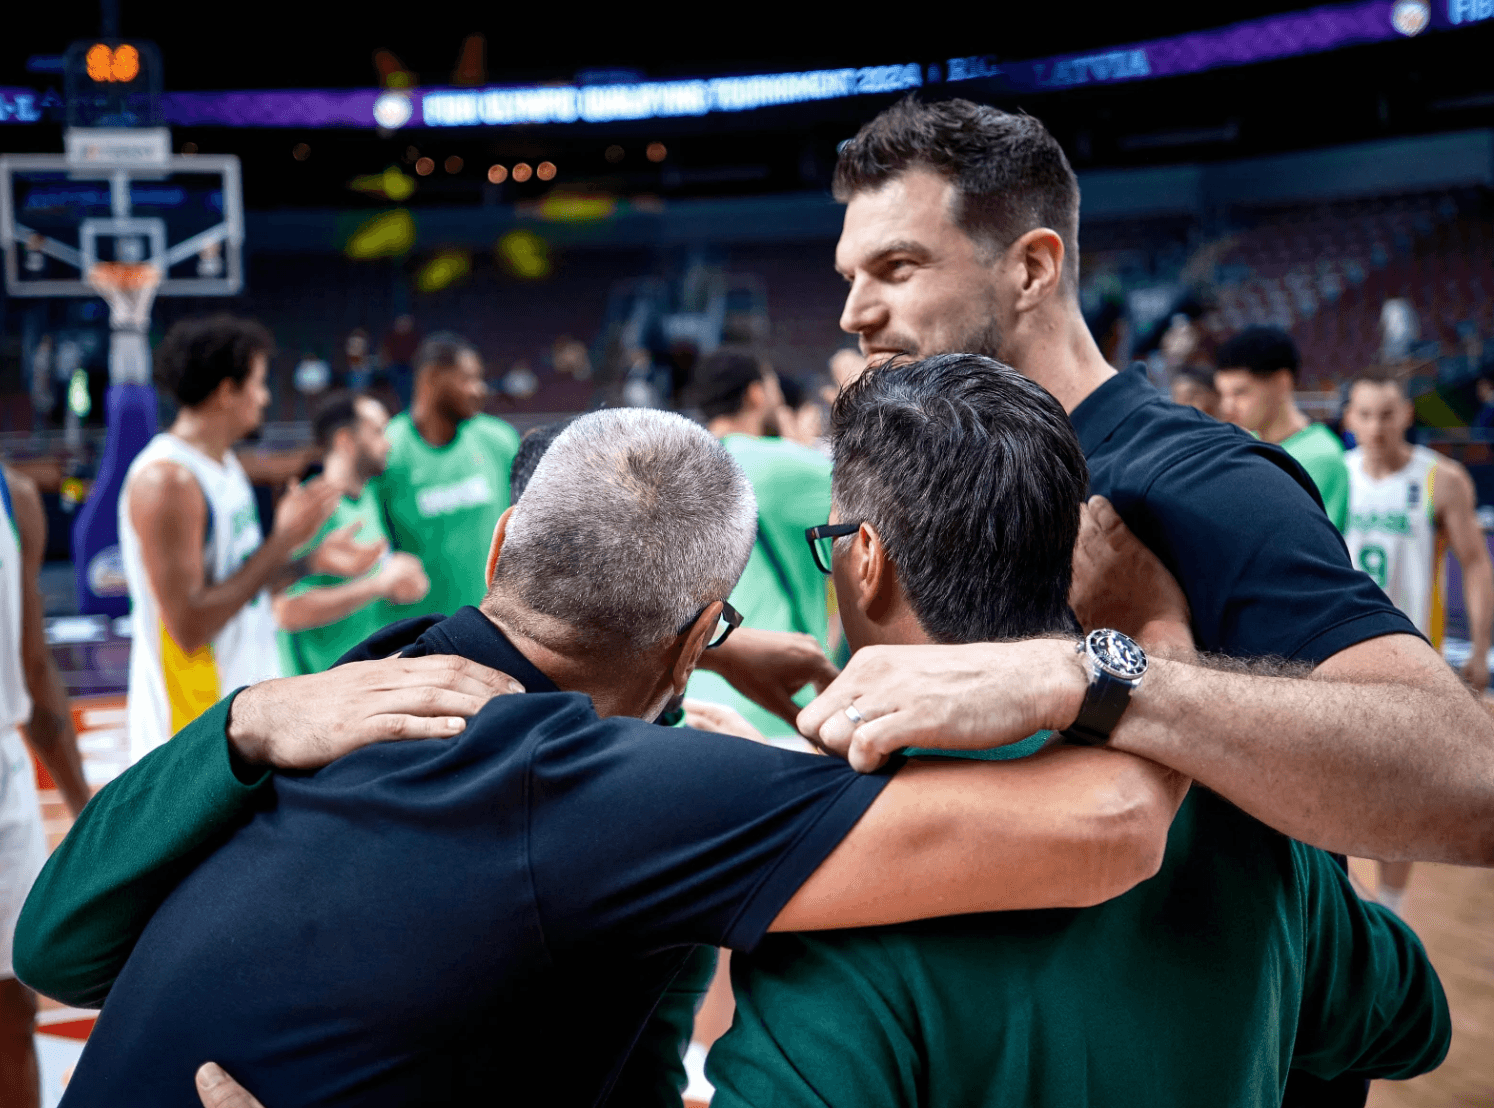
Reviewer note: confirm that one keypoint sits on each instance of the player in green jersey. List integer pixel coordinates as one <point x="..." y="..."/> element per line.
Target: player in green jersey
<point x="1257" y="379"/>
<point x="446" y="483"/>
<point x="321" y="617"/>
<point x="781" y="589"/>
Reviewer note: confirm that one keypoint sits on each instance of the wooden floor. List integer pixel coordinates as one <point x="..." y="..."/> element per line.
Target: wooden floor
<point x="1452" y="910"/>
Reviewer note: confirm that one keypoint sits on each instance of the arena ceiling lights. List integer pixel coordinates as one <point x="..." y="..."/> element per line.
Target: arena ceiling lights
<point x="1260" y="40"/>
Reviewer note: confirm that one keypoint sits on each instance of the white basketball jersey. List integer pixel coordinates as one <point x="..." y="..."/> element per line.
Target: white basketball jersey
<point x="169" y="687"/>
<point x="1392" y="536"/>
<point x="15" y="700"/>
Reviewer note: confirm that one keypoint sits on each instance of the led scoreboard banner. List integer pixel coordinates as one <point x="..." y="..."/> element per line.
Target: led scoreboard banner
<point x="1271" y="38"/>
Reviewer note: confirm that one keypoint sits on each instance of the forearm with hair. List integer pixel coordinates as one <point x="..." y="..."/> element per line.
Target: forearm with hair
<point x="1376" y="768"/>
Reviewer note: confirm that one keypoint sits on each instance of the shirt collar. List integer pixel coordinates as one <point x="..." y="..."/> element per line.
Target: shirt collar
<point x="474" y="636"/>
<point x="1102" y="411"/>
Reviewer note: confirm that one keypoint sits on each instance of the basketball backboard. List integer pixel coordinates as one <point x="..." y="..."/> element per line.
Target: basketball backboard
<point x="120" y="196"/>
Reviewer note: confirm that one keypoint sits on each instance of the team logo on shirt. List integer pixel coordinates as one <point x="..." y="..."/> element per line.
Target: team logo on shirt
<point x="1396" y="523"/>
<point x="445" y="499"/>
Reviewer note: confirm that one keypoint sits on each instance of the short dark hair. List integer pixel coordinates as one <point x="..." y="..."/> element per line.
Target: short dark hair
<point x="1009" y="172"/>
<point x="1379" y="375"/>
<point x="442" y="349"/>
<point x="333" y="412"/>
<point x="720" y="380"/>
<point x="199" y="354"/>
<point x="973" y="477"/>
<point x="532" y="448"/>
<point x="1261" y="350"/>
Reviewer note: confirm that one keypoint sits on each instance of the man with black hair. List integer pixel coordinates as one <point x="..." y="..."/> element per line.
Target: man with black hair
<point x="446" y="483"/>
<point x="323" y="616"/>
<point x="960" y="484"/>
<point x="1257" y="380"/>
<point x="198" y="567"/>
<point x="738" y="394"/>
<point x="961" y="234"/>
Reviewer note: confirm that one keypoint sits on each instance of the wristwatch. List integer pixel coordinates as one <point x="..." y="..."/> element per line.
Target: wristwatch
<point x="1116" y="666"/>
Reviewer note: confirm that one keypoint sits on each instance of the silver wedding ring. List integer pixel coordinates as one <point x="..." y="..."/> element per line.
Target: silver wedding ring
<point x="853" y="715"/>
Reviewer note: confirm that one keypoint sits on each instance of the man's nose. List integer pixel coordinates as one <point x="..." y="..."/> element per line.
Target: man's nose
<point x="864" y="312"/>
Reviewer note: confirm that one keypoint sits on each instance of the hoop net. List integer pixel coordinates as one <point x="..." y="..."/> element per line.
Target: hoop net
<point x="130" y="289"/>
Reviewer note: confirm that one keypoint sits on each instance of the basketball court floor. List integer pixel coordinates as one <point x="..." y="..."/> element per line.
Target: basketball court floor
<point x="1451" y="908"/>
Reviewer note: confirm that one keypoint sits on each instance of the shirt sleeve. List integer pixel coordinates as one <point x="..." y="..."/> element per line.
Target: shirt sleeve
<point x="1265" y="571"/>
<point x="643" y="834"/>
<point x="819" y="1023"/>
<point x="1371" y="1002"/>
<point x="126" y="852"/>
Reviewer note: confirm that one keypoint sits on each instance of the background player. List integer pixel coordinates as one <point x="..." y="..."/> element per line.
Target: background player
<point x="198" y="566"/>
<point x="31" y="693"/>
<point x="446" y="483"/>
<point x="323" y="616"/>
<point x="1257" y="381"/>
<point x="1407" y="506"/>
<point x="781" y="589"/>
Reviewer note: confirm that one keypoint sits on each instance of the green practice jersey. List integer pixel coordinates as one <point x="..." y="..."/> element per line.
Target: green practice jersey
<point x="1318" y="451"/>
<point x="316" y="648"/>
<point x="443" y="503"/>
<point x="1248" y="954"/>
<point x="781" y="589"/>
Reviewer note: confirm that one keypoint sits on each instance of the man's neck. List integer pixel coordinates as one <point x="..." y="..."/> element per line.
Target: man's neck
<point x="341" y="472"/>
<point x="1062" y="356"/>
<point x="549" y="645"/>
<point x="1288" y="421"/>
<point x="743" y="423"/>
<point x="1382" y="463"/>
<point x="436" y="428"/>
<point x="208" y="433"/>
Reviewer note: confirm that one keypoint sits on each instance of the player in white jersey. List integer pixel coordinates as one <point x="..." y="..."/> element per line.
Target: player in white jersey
<point x="1407" y="506"/>
<point x="31" y="693"/>
<point x="198" y="567"/>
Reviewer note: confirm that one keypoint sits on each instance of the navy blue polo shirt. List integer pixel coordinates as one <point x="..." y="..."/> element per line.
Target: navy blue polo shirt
<point x="484" y="919"/>
<point x="1237" y="521"/>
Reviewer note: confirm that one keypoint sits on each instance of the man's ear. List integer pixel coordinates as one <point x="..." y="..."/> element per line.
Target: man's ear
<point x="872" y="574"/>
<point x="500" y="532"/>
<point x="1038" y="258"/>
<point x="693" y="646"/>
<point x="755" y="399"/>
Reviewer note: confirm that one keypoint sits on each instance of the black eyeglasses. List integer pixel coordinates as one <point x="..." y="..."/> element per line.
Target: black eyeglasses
<point x="727" y="622"/>
<point x="821" y="540"/>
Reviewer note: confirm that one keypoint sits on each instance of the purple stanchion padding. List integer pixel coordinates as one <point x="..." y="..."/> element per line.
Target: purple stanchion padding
<point x="96" y="559"/>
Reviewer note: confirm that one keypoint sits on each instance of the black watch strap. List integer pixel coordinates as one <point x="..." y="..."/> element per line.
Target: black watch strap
<point x="1104" y="702"/>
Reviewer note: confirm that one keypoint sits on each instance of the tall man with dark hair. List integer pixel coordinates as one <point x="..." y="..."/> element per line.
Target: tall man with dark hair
<point x="324" y="616"/>
<point x="960" y="482"/>
<point x="961" y="233"/>
<point x="738" y="394"/>
<point x="1257" y="383"/>
<point x="447" y="476"/>
<point x="198" y="567"/>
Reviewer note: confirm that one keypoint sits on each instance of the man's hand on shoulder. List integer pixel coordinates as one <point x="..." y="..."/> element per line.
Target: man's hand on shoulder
<point x="307" y="722"/>
<point x="972" y="696"/>
<point x="217" y="1090"/>
<point x="1120" y="583"/>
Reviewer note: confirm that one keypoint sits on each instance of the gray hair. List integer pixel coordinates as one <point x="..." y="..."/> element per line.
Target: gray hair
<point x="633" y="522"/>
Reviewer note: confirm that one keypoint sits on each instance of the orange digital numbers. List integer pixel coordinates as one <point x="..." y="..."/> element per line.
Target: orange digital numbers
<point x="121" y="64"/>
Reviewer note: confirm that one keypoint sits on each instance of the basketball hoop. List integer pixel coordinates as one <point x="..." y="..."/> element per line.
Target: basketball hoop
<point x="130" y="288"/>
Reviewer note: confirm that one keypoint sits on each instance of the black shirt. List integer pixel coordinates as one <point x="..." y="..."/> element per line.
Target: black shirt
<point x="421" y="922"/>
<point x="1237" y="521"/>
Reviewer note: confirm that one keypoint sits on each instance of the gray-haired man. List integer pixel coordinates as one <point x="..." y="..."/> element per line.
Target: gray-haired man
<point x="425" y="922"/>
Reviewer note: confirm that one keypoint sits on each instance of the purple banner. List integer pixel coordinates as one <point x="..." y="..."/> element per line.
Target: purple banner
<point x="1260" y="40"/>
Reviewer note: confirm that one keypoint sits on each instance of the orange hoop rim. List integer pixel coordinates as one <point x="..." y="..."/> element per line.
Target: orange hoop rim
<point x="124" y="275"/>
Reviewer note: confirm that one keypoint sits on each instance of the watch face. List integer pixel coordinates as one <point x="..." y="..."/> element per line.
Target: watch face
<point x="1117" y="654"/>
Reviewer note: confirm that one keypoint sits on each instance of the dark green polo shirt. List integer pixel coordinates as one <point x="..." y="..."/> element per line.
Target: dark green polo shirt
<point x="1248" y="953"/>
